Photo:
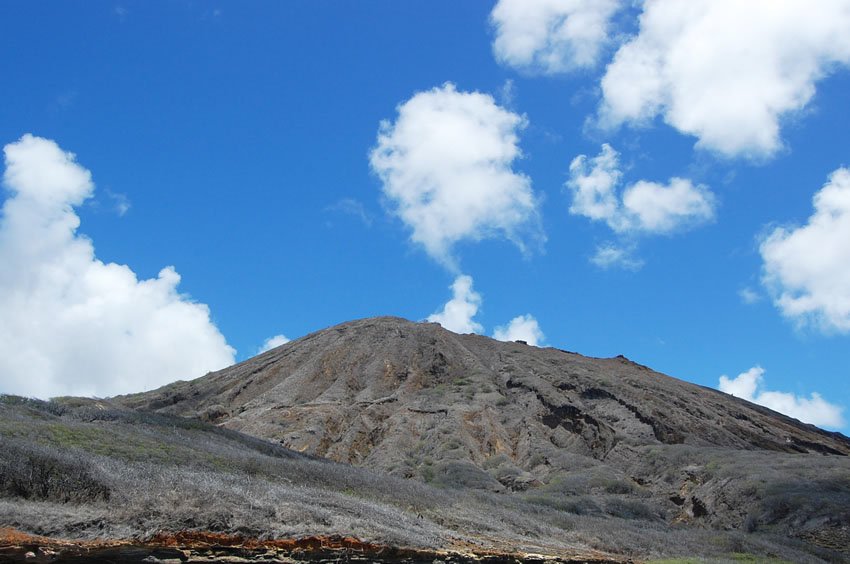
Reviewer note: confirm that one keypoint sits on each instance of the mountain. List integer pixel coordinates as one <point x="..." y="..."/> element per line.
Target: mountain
<point x="364" y="391"/>
<point x="391" y="441"/>
<point x="587" y="435"/>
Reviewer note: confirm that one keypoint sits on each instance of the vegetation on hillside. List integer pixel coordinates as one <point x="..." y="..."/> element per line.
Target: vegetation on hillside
<point x="86" y="469"/>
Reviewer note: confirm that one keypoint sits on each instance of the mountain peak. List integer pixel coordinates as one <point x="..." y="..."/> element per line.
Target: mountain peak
<point x="360" y="391"/>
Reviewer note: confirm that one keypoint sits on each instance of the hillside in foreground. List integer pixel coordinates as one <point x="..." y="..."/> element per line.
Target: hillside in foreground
<point x="103" y="477"/>
<point x="406" y="437"/>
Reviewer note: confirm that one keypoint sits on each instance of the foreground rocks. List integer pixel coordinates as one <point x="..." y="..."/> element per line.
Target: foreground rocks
<point x="198" y="546"/>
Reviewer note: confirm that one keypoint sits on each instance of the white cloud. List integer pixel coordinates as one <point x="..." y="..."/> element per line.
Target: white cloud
<point x="744" y="385"/>
<point x="643" y="207"/>
<point x="521" y="328"/>
<point x="551" y="36"/>
<point x="594" y="185"/>
<point x="662" y="208"/>
<point x="121" y="203"/>
<point x="807" y="269"/>
<point x="815" y="410"/>
<point x="459" y="312"/>
<point x="71" y="323"/>
<point x="273" y="342"/>
<point x="507" y="94"/>
<point x="749" y="296"/>
<point x="611" y="255"/>
<point x="445" y="164"/>
<point x="457" y="315"/>
<point x="726" y="71"/>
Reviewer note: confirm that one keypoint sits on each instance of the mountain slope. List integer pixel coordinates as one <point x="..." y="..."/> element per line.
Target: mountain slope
<point x="601" y="437"/>
<point x="362" y="390"/>
<point x="84" y="481"/>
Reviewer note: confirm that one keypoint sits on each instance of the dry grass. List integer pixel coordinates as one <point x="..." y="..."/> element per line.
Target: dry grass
<point x="81" y="470"/>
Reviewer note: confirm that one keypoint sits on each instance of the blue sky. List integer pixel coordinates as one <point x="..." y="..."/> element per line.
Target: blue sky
<point x="239" y="143"/>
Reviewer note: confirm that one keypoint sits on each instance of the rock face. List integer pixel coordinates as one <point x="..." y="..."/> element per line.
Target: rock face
<point x="402" y="397"/>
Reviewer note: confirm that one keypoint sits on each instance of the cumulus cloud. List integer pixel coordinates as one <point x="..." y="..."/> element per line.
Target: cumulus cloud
<point x="521" y="328"/>
<point x="611" y="255"/>
<point x="749" y="385"/>
<point x="662" y="208"/>
<point x="445" y="164"/>
<point x="807" y="268"/>
<point x="458" y="313"/>
<point x="725" y="71"/>
<point x="551" y="36"/>
<point x="593" y="183"/>
<point x="642" y="207"/>
<point x="71" y="323"/>
<point x="273" y="343"/>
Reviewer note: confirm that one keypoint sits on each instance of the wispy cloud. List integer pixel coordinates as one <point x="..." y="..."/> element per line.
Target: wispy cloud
<point x="612" y="255"/>
<point x="749" y="296"/>
<point x="352" y="207"/>
<point x="63" y="101"/>
<point x="121" y="12"/>
<point x="120" y="202"/>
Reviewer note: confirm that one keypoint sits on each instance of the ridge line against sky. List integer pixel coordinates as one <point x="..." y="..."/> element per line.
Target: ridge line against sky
<point x="619" y="149"/>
